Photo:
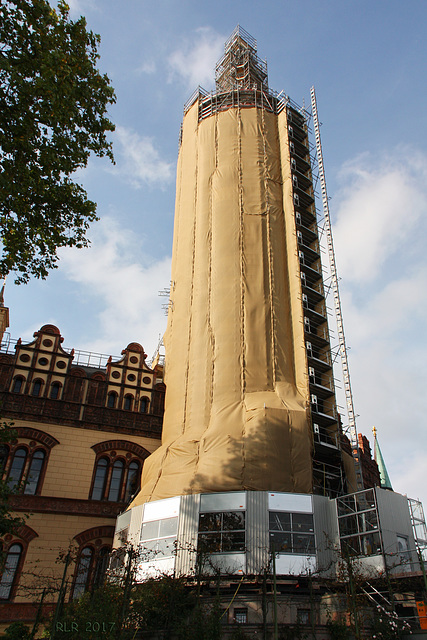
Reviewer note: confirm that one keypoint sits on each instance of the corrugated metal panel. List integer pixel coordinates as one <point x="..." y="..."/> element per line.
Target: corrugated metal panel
<point x="395" y="519"/>
<point x="257" y="539"/>
<point x="327" y="535"/>
<point x="186" y="553"/>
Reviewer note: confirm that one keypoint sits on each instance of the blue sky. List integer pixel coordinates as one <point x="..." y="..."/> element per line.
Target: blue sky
<point x="367" y="60"/>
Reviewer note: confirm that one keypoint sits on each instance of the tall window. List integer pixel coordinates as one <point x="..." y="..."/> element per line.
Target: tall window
<point x="17" y="384"/>
<point x="132" y="481"/>
<point x="90" y="570"/>
<point x="100" y="479"/>
<point x="143" y="405"/>
<point x="111" y="399"/>
<point x="128" y="402"/>
<point x="222" y="531"/>
<point x="34" y="472"/>
<point x="37" y="387"/>
<point x="10" y="570"/>
<point x="116" y="481"/>
<point x="54" y="390"/>
<point x="17" y="467"/>
<point x="101" y="566"/>
<point x="82" y="572"/>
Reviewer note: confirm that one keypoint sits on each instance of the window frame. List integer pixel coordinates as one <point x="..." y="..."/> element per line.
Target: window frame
<point x="30" y="453"/>
<point x="114" y="395"/>
<point x="222" y="536"/>
<point x="295" y="532"/>
<point x="21" y="379"/>
<point x="40" y="383"/>
<point x="144" y="404"/>
<point x="121" y="458"/>
<point x="16" y="571"/>
<point x="128" y="401"/>
<point x="58" y="386"/>
<point x="93" y="576"/>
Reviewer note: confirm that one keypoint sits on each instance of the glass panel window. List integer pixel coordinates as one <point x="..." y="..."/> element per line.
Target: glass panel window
<point x="358" y="524"/>
<point x="150" y="530"/>
<point x="222" y="531"/>
<point x="168" y="527"/>
<point x="302" y="522"/>
<point x="303" y="543"/>
<point x="132" y="481"/>
<point x="9" y="572"/>
<point x="158" y="538"/>
<point x="100" y="478"/>
<point x="82" y="575"/>
<point x="210" y="521"/>
<point x="292" y="533"/>
<point x="116" y="481"/>
<point x="280" y="521"/>
<point x="281" y="542"/>
<point x="143" y="405"/>
<point x="17" y="467"/>
<point x="34" y="473"/>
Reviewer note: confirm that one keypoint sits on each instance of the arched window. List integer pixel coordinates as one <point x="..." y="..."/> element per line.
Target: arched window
<point x="17" y="384"/>
<point x="117" y="471"/>
<point x="100" y="479"/>
<point x="116" y="481"/>
<point x="34" y="472"/>
<point x="111" y="399"/>
<point x="10" y="569"/>
<point x="132" y="482"/>
<point x="54" y="390"/>
<point x="83" y="572"/>
<point x="128" y="402"/>
<point x="143" y="405"/>
<point x="17" y="467"/>
<point x="37" y="386"/>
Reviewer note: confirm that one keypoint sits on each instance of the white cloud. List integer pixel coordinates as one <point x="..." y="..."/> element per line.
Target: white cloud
<point x="125" y="287"/>
<point x="380" y="245"/>
<point x="80" y="7"/>
<point x="195" y="61"/>
<point x="138" y="161"/>
<point x="148" y="67"/>
<point x="377" y="208"/>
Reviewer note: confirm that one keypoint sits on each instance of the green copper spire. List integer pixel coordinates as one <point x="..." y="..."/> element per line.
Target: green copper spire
<point x="378" y="457"/>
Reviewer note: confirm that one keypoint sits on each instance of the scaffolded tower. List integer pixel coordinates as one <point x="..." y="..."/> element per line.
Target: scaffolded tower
<point x="250" y="400"/>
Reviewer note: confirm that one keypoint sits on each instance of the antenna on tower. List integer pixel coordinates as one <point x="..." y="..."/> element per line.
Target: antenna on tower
<point x="337" y="302"/>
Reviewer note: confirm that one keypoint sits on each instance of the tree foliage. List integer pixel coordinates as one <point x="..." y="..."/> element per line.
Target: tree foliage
<point x="9" y="523"/>
<point x="53" y="114"/>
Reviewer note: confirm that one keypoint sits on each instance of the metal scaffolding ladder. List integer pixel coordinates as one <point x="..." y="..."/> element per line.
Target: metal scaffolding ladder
<point x="337" y="302"/>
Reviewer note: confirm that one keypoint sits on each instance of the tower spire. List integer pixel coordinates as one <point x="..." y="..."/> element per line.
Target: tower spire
<point x="378" y="457"/>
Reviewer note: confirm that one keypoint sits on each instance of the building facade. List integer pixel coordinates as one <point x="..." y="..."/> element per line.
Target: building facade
<point x="84" y="426"/>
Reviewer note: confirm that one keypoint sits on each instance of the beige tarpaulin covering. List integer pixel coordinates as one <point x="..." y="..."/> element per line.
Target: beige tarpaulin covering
<point x="237" y="387"/>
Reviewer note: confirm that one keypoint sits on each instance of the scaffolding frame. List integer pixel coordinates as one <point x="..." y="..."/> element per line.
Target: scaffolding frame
<point x="351" y="429"/>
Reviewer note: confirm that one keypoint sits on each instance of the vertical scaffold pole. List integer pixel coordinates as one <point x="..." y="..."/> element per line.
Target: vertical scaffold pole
<point x="337" y="302"/>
